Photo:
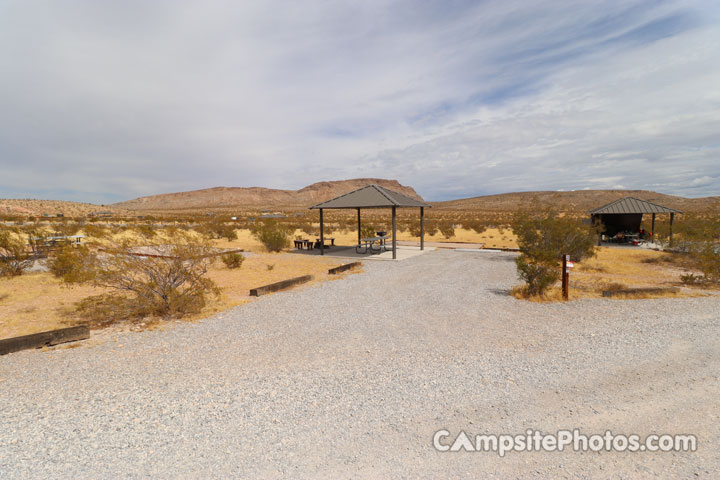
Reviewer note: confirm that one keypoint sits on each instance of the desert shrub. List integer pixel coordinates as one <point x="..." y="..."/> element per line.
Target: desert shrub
<point x="106" y="309"/>
<point x="95" y="231"/>
<point x="447" y="229"/>
<point x="72" y="264"/>
<point x="218" y="230"/>
<point x="233" y="260"/>
<point x="66" y="228"/>
<point x="147" y="231"/>
<point x="700" y="238"/>
<point x="431" y="227"/>
<point x="414" y="229"/>
<point x="174" y="283"/>
<point x="368" y="231"/>
<point x="14" y="255"/>
<point x="307" y="228"/>
<point x="691" y="279"/>
<point x="476" y="225"/>
<point x="538" y="276"/>
<point x="542" y="239"/>
<point x="706" y="257"/>
<point x="270" y="267"/>
<point x="545" y="236"/>
<point x="273" y="235"/>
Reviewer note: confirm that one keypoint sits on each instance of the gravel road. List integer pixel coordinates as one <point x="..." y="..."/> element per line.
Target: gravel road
<point x="351" y="378"/>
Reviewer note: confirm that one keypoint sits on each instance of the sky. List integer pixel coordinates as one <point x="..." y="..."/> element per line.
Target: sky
<point x="103" y="101"/>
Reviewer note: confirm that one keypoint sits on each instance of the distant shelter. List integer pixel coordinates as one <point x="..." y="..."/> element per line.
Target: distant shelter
<point x="626" y="215"/>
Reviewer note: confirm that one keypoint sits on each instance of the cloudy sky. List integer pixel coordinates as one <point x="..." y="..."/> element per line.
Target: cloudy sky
<point x="103" y="101"/>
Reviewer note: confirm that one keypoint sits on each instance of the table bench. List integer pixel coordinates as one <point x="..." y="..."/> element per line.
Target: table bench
<point x="368" y="244"/>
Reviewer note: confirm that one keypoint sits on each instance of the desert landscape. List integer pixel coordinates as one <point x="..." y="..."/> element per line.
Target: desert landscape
<point x="228" y="218"/>
<point x="359" y="240"/>
<point x="379" y="355"/>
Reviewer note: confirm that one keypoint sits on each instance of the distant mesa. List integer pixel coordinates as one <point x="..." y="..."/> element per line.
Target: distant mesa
<point x="275" y="201"/>
<point x="223" y="197"/>
<point x="574" y="201"/>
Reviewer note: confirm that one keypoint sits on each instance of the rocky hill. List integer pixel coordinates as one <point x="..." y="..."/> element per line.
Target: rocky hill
<point x="575" y="201"/>
<point x="239" y="197"/>
<point x="38" y="208"/>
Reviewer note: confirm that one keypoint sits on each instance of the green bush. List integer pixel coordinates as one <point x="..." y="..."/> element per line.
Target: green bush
<point x="367" y="231"/>
<point x="218" y="230"/>
<point x="14" y="255"/>
<point x="233" y="260"/>
<point x="447" y="229"/>
<point x="147" y="231"/>
<point x="174" y="284"/>
<point x="543" y="238"/>
<point x="538" y="276"/>
<point x="476" y="225"/>
<point x="95" y="231"/>
<point x="273" y="235"/>
<point x="72" y="264"/>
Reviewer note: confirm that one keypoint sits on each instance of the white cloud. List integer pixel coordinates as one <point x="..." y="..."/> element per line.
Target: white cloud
<point x="113" y="100"/>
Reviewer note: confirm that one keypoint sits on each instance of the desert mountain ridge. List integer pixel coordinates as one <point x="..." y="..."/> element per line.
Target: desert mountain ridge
<point x="575" y="200"/>
<point x="231" y="199"/>
<point x="221" y="197"/>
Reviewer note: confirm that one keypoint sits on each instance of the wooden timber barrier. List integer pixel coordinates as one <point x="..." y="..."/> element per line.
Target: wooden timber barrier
<point x="640" y="291"/>
<point x="274" y="287"/>
<point x="42" y="339"/>
<point x="342" y="268"/>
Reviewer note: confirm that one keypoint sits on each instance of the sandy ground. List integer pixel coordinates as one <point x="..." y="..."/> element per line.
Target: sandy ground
<point x="350" y="379"/>
<point x="37" y="302"/>
<point x="491" y="238"/>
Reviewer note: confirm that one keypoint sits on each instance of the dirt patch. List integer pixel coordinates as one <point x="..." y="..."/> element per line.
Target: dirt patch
<point x="38" y="302"/>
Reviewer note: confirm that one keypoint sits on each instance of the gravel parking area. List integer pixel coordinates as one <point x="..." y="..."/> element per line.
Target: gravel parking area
<point x="351" y="378"/>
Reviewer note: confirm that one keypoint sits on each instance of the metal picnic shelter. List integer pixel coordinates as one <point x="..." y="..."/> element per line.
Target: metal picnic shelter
<point x="627" y="213"/>
<point x="373" y="196"/>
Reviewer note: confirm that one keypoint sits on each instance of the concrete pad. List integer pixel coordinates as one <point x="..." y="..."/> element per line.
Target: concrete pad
<point x="403" y="252"/>
<point x="453" y="245"/>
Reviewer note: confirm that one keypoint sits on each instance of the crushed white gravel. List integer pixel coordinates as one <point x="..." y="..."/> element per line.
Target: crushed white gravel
<point x="351" y="378"/>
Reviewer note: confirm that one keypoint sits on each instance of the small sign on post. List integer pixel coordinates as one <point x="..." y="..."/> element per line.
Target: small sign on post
<point x="567" y="264"/>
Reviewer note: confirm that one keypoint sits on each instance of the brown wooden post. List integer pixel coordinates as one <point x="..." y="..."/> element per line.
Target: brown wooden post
<point x="322" y="234"/>
<point x="359" y="228"/>
<point x="422" y="228"/>
<point x="672" y="218"/>
<point x="652" y="229"/>
<point x="565" y="277"/>
<point x="394" y="221"/>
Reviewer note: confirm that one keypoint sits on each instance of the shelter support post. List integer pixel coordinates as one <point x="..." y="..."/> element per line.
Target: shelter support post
<point x="652" y="228"/>
<point x="422" y="228"/>
<point x="359" y="229"/>
<point x="322" y="234"/>
<point x="672" y="219"/>
<point x="394" y="227"/>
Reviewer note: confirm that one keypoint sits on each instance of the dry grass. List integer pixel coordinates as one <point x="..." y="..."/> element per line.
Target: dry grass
<point x="618" y="269"/>
<point x="492" y="238"/>
<point x="35" y="302"/>
<point x="235" y="284"/>
<point x="38" y="302"/>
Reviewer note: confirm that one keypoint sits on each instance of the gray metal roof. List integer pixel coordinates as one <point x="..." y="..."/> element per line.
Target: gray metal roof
<point x="371" y="196"/>
<point x="632" y="205"/>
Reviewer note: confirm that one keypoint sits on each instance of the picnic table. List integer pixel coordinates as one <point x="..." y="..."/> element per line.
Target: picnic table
<point x="332" y="242"/>
<point x="368" y="244"/>
<point x="304" y="244"/>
